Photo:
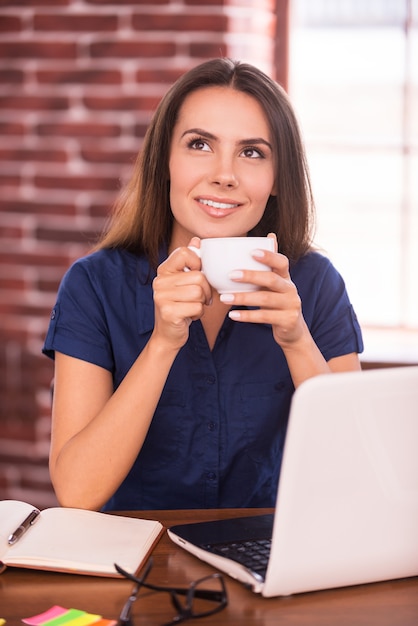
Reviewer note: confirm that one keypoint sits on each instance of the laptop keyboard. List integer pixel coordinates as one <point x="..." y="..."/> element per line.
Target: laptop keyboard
<point x="253" y="554"/>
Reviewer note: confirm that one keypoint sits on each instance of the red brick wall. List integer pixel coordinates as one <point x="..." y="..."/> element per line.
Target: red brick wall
<point x="78" y="83"/>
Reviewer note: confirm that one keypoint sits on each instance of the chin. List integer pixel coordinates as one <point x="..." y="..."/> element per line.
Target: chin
<point x="222" y="232"/>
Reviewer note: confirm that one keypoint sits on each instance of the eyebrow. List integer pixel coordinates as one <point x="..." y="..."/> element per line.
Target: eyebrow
<point x="242" y="142"/>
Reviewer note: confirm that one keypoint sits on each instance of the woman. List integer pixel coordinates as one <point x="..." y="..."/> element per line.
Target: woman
<point x="166" y="394"/>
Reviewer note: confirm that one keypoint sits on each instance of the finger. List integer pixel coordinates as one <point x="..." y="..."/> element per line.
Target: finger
<point x="169" y="291"/>
<point x="285" y="322"/>
<point x="176" y="313"/>
<point x="195" y="242"/>
<point x="180" y="259"/>
<point x="273" y="236"/>
<point x="182" y="286"/>
<point x="265" y="281"/>
<point x="255" y="316"/>
<point x="278" y="262"/>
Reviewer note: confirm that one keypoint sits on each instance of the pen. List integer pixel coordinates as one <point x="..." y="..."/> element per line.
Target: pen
<point x="27" y="523"/>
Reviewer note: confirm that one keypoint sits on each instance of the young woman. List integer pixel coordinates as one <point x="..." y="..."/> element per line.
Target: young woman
<point x="167" y="395"/>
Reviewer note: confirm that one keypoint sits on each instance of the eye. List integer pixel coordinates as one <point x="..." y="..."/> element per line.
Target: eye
<point x="197" y="143"/>
<point x="253" y="153"/>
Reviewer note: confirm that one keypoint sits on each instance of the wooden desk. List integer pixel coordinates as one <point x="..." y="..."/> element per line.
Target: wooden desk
<point x="24" y="593"/>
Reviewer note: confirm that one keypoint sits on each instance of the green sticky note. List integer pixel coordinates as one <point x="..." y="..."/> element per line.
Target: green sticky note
<point x="65" y="618"/>
<point x="84" y="620"/>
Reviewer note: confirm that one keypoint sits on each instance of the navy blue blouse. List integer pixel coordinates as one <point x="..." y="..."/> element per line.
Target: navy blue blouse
<point x="216" y="438"/>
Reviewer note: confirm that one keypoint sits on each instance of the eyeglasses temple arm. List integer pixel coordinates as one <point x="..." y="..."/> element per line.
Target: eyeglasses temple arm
<point x="135" y="579"/>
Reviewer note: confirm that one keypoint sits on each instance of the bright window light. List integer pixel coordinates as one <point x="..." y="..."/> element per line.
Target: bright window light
<point x="353" y="79"/>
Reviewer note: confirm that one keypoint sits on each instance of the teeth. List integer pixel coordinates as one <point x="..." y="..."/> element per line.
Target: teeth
<point x="218" y="205"/>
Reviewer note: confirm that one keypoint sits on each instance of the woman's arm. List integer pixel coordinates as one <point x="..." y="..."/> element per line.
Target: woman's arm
<point x="279" y="304"/>
<point x="97" y="433"/>
<point x="305" y="360"/>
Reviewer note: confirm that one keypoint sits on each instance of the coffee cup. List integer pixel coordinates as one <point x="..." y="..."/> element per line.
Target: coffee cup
<point x="222" y="255"/>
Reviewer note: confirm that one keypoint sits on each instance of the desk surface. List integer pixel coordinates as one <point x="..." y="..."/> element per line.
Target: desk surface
<point x="24" y="593"/>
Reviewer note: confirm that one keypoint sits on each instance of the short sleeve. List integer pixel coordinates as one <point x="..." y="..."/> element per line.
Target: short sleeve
<point x="327" y="308"/>
<point x="77" y="325"/>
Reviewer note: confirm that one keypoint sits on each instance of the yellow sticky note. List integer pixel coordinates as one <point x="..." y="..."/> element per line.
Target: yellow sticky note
<point x="84" y="620"/>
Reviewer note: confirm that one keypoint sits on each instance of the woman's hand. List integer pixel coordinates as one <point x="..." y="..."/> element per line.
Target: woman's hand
<point x="181" y="292"/>
<point x="278" y="299"/>
<point x="279" y="304"/>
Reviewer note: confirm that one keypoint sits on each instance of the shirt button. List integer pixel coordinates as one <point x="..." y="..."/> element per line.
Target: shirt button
<point x="211" y="475"/>
<point x="53" y="314"/>
<point x="211" y="425"/>
<point x="210" y="380"/>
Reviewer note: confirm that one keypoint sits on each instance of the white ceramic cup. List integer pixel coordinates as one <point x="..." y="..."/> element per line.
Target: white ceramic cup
<point x="222" y="255"/>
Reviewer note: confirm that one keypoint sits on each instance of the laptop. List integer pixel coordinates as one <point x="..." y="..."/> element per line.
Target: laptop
<point x="347" y="501"/>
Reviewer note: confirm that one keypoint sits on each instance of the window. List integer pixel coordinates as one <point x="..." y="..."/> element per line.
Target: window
<point x="353" y="79"/>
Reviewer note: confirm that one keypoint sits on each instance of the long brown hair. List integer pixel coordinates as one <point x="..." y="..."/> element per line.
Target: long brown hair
<point x="142" y="220"/>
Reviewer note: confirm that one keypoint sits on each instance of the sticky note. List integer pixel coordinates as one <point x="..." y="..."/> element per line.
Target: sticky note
<point x="58" y="616"/>
<point x="77" y="618"/>
<point x="65" y="618"/>
<point x="53" y="612"/>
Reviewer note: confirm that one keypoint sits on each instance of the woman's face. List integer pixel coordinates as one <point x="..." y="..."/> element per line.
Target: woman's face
<point x="221" y="165"/>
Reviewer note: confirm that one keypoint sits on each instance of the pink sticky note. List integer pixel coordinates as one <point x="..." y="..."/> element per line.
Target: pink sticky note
<point x="52" y="613"/>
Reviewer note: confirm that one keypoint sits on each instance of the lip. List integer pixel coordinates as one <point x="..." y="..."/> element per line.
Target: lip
<point x="217" y="207"/>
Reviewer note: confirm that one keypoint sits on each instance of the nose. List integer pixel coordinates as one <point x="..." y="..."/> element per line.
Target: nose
<point x="223" y="173"/>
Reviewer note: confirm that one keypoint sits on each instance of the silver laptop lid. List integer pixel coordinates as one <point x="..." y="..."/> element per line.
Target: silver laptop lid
<point x="347" y="507"/>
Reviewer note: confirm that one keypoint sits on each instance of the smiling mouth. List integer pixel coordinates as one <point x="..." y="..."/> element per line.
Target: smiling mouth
<point x="218" y="205"/>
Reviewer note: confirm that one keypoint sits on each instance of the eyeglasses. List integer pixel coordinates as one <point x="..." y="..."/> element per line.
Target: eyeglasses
<point x="199" y="600"/>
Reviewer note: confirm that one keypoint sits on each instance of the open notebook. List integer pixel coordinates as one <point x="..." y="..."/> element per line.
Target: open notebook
<point x="347" y="503"/>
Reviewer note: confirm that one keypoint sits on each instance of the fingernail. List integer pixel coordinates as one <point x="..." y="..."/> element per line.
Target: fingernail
<point x="259" y="253"/>
<point x="236" y="274"/>
<point x="227" y="297"/>
<point x="234" y="315"/>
